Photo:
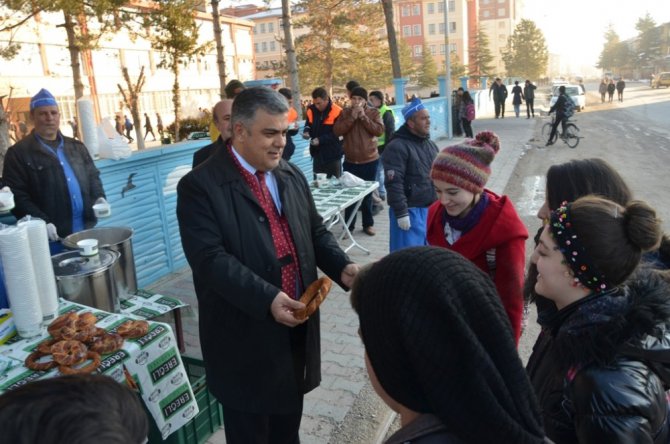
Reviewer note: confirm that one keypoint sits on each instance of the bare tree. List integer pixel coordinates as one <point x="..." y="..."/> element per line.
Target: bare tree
<point x="131" y="100"/>
<point x="291" y="59"/>
<point x="220" y="59"/>
<point x="393" y="43"/>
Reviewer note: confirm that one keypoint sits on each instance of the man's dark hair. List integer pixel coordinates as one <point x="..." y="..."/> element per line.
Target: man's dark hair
<point x="561" y="89"/>
<point x="249" y="101"/>
<point x="286" y="93"/>
<point x="351" y="84"/>
<point x="231" y="87"/>
<point x="320" y="93"/>
<point x="73" y="409"/>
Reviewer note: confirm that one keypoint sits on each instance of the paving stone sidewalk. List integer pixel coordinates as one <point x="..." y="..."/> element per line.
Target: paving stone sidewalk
<point x="343" y="368"/>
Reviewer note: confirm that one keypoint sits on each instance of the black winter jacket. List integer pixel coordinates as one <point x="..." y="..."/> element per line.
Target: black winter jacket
<point x="40" y="187"/>
<point x="597" y="367"/>
<point x="407" y="160"/>
<point x="319" y="125"/>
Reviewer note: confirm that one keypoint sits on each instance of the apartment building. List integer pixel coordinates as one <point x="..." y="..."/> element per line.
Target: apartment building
<point x="498" y="18"/>
<point x="44" y="62"/>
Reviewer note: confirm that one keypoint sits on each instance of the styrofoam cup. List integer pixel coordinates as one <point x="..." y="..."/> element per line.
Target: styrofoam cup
<point x="88" y="247"/>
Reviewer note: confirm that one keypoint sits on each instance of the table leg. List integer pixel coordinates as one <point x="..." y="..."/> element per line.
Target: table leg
<point x="179" y="330"/>
<point x="346" y="232"/>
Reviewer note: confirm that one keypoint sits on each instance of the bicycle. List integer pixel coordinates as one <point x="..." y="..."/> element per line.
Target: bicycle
<point x="570" y="136"/>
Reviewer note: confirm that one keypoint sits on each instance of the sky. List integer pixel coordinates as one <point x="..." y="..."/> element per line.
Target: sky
<point x="588" y="21"/>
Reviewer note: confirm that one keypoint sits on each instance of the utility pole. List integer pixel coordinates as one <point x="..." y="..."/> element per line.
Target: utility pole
<point x="447" y="53"/>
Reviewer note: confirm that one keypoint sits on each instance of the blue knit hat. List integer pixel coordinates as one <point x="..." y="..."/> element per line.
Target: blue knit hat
<point x="42" y="98"/>
<point x="412" y="107"/>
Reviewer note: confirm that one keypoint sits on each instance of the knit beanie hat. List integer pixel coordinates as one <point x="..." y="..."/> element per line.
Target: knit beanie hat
<point x="42" y="98"/>
<point x="377" y="94"/>
<point x="467" y="165"/>
<point x="440" y="342"/>
<point x="412" y="107"/>
<point x="359" y="91"/>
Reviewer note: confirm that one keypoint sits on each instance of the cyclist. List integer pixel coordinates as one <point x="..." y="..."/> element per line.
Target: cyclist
<point x="560" y="108"/>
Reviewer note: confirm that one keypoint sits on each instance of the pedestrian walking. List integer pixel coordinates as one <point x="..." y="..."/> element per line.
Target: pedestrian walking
<point x="440" y="352"/>
<point x="477" y="223"/>
<point x="159" y="125"/>
<point x="610" y="90"/>
<point x="148" y="128"/>
<point x="407" y="160"/>
<point x="250" y="270"/>
<point x="129" y="127"/>
<point x="466" y="113"/>
<point x="499" y="92"/>
<point x="602" y="89"/>
<point x="620" y="85"/>
<point x="517" y="98"/>
<point x="599" y="368"/>
<point x="529" y="94"/>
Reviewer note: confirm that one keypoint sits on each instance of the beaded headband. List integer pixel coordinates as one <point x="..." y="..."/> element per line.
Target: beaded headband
<point x="584" y="270"/>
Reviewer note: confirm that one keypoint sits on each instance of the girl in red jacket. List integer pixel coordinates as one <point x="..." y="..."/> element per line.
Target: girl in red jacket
<point x="476" y="222"/>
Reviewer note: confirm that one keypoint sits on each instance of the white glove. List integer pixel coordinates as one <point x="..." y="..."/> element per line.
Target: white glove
<point x="314" y="142"/>
<point x="52" y="233"/>
<point x="102" y="208"/>
<point x="404" y="223"/>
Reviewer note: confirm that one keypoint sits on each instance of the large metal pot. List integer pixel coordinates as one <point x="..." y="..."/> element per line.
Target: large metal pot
<point x="119" y="239"/>
<point x="88" y="280"/>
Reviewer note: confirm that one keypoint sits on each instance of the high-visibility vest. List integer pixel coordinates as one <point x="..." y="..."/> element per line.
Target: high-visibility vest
<point x="381" y="140"/>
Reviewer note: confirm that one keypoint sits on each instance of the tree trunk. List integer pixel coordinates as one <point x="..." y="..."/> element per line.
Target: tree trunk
<point x="291" y="60"/>
<point x="393" y="43"/>
<point x="176" y="100"/>
<point x="74" y="56"/>
<point x="220" y="59"/>
<point x="5" y="143"/>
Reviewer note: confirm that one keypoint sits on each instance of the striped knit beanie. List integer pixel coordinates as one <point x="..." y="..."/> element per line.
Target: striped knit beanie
<point x="467" y="165"/>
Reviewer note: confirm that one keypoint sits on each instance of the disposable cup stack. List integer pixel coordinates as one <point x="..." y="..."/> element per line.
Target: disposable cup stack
<point x="89" y="131"/>
<point x="24" y="300"/>
<point x="44" y="270"/>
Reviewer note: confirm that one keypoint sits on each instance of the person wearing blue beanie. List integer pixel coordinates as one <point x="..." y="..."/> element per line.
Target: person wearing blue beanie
<point x="52" y="176"/>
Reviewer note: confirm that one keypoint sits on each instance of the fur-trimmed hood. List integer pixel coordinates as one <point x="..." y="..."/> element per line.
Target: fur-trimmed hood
<point x="632" y="320"/>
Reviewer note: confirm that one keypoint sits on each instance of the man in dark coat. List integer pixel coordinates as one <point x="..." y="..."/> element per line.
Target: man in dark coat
<point x="324" y="146"/>
<point x="529" y="94"/>
<point x="221" y="117"/>
<point x="499" y="91"/>
<point x="253" y="238"/>
<point x="52" y="176"/>
<point x="407" y="160"/>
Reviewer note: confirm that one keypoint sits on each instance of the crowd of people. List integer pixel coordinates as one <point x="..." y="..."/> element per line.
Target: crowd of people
<point x="440" y="316"/>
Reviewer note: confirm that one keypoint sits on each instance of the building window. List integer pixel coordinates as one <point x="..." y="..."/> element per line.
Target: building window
<point x="407" y="31"/>
<point x="264" y="47"/>
<point x="440" y="7"/>
<point x="256" y="47"/>
<point x="272" y="45"/>
<point x="405" y="11"/>
<point x="452" y="26"/>
<point x="416" y="9"/>
<point x="417" y="50"/>
<point x="452" y="5"/>
<point x="442" y="46"/>
<point x="271" y="27"/>
<point x="432" y="49"/>
<point x="255" y="29"/>
<point x="431" y="29"/>
<point x="441" y="28"/>
<point x="485" y="14"/>
<point x="431" y="8"/>
<point x="262" y="28"/>
<point x="501" y="12"/>
<point x="501" y="24"/>
<point x="416" y="30"/>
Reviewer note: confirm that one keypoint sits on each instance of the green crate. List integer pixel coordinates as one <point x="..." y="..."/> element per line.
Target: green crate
<point x="205" y="423"/>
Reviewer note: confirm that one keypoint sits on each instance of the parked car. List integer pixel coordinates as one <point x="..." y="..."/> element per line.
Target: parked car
<point x="197" y="135"/>
<point x="574" y="91"/>
<point x="662" y="79"/>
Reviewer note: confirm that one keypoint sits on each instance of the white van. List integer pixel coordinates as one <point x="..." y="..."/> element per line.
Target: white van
<point x="574" y="91"/>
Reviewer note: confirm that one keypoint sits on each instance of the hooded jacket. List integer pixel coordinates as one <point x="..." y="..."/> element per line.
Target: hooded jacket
<point x="499" y="233"/>
<point x="601" y="366"/>
<point x="407" y="160"/>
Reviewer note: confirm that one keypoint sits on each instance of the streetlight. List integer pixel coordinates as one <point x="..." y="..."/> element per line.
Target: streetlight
<point x="447" y="53"/>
